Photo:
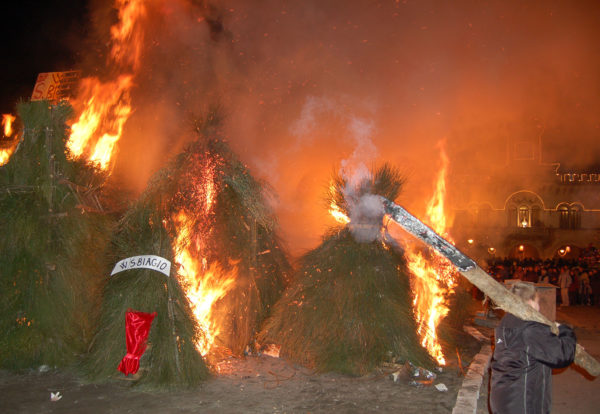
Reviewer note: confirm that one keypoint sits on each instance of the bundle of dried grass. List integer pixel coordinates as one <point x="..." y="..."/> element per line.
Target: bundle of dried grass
<point x="206" y="214"/>
<point x="52" y="246"/>
<point x="349" y="306"/>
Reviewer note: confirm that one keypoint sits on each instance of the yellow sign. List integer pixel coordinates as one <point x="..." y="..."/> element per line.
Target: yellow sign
<point x="55" y="86"/>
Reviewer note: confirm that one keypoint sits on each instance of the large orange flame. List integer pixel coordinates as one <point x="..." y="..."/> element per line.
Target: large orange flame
<point x="434" y="279"/>
<point x="204" y="285"/>
<point x="105" y="107"/>
<point x="128" y="39"/>
<point x="100" y="124"/>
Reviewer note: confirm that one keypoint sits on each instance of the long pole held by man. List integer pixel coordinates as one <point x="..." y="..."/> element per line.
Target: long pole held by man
<point x="501" y="296"/>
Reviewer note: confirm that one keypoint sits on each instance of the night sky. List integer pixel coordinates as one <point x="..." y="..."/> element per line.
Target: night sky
<point x="38" y="36"/>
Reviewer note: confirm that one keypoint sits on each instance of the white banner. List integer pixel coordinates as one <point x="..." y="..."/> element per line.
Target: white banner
<point x="144" y="262"/>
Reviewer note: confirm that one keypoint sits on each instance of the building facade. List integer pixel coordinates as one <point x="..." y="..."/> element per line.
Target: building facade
<point x="525" y="208"/>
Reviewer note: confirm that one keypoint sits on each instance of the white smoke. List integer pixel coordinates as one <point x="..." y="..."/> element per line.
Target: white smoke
<point x="366" y="216"/>
<point x="365" y="209"/>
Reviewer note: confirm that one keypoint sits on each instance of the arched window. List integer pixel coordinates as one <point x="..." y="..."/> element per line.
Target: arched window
<point x="524" y="209"/>
<point x="575" y="217"/>
<point x="563" y="217"/>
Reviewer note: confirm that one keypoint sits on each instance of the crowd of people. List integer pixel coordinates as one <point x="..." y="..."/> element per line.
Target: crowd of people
<point x="578" y="280"/>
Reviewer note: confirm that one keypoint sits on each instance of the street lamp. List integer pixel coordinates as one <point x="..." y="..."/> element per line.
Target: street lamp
<point x="522" y="250"/>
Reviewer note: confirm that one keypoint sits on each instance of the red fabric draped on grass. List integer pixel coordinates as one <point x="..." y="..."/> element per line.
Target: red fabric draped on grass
<point x="137" y="328"/>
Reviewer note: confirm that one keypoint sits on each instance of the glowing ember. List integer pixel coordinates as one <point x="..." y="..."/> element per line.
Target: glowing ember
<point x="435" y="279"/>
<point x="105" y="107"/>
<point x="7" y="121"/>
<point x="203" y="286"/>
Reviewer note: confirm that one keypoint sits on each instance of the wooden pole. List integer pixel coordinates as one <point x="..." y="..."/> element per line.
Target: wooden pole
<point x="508" y="301"/>
<point x="501" y="296"/>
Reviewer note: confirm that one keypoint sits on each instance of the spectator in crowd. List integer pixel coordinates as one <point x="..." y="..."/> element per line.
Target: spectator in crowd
<point x="557" y="271"/>
<point x="594" y="275"/>
<point x="530" y="275"/>
<point x="564" y="281"/>
<point x="574" y="286"/>
<point x="585" y="289"/>
<point x="519" y="273"/>
<point x="544" y="277"/>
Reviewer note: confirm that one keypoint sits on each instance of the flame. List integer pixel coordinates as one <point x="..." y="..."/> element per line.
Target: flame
<point x="5" y="154"/>
<point x="106" y="106"/>
<point x="436" y="216"/>
<point x="334" y="208"/>
<point x="7" y="121"/>
<point x="429" y="301"/>
<point x="338" y="214"/>
<point x="128" y="40"/>
<point x="204" y="285"/>
<point x="434" y="279"/>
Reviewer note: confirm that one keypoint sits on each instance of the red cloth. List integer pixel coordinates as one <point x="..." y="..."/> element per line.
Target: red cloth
<point x="137" y="327"/>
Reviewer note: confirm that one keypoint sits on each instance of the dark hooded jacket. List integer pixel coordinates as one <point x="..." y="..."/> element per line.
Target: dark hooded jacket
<point x="524" y="356"/>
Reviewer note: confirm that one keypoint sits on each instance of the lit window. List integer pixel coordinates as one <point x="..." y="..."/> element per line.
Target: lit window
<point x="524" y="218"/>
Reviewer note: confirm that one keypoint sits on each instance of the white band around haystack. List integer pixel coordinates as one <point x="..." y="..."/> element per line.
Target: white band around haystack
<point x="160" y="264"/>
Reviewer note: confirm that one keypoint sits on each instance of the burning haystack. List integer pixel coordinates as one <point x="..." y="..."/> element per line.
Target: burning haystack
<point x="53" y="239"/>
<point x="171" y="359"/>
<point x="236" y="240"/>
<point x="349" y="306"/>
<point x="208" y="216"/>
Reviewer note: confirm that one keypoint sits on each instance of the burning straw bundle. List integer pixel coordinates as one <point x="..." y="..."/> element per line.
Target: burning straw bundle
<point x="349" y="307"/>
<point x="52" y="246"/>
<point x="232" y="231"/>
<point x="171" y="360"/>
<point x="206" y="214"/>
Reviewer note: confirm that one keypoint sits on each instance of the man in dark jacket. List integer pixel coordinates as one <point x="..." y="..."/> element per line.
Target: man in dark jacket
<point x="524" y="356"/>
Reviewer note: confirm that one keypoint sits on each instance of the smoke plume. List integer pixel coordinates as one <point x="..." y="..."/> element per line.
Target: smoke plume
<point x="310" y="86"/>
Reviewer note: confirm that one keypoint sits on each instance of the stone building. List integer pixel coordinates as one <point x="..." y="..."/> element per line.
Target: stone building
<point x="521" y="207"/>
